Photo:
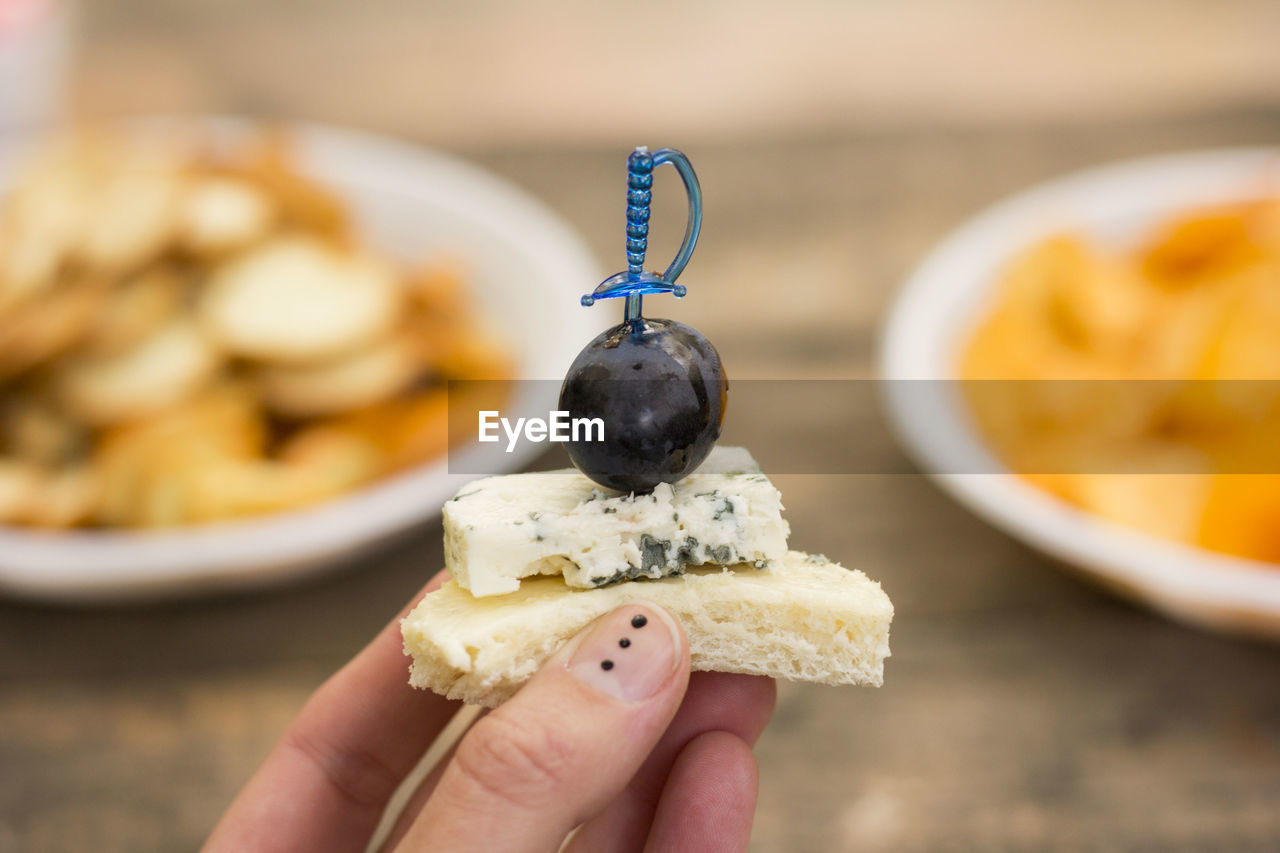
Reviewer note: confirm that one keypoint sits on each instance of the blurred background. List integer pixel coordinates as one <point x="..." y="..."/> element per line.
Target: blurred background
<point x="836" y="142"/>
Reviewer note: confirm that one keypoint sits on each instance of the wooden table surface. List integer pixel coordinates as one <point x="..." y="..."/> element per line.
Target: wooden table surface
<point x="1022" y="709"/>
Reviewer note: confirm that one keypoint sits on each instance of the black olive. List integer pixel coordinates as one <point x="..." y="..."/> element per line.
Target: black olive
<point x="660" y="389"/>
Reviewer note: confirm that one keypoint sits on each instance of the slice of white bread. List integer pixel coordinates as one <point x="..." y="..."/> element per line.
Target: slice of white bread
<point x="804" y="618"/>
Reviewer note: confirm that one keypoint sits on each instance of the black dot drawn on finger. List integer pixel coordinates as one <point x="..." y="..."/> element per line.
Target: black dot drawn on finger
<point x="624" y="642"/>
<point x="639" y="621"/>
<point x="606" y="665"/>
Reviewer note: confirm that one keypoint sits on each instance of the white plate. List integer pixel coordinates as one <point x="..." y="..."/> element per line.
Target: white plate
<point x="528" y="271"/>
<point x="935" y="314"/>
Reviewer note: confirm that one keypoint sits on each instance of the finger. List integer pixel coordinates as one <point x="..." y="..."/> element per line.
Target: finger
<point x="739" y="704"/>
<point x="566" y="744"/>
<point x="326" y="781"/>
<point x="423" y="791"/>
<point x="709" y="799"/>
<point x="716" y="701"/>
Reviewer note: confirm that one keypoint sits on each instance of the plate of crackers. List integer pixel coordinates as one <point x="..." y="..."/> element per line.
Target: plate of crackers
<point x="226" y="348"/>
<point x="1091" y="366"/>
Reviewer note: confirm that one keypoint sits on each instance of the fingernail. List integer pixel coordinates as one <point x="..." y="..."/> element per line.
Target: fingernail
<point x="629" y="653"/>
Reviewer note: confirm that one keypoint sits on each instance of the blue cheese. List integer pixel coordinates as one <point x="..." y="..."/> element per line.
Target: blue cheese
<point x="501" y="529"/>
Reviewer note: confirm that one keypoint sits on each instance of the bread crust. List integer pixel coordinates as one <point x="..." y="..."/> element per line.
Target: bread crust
<point x="803" y="619"/>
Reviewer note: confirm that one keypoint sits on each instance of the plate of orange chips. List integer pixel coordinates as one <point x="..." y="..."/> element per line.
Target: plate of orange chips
<point x="226" y="348"/>
<point x="1093" y="365"/>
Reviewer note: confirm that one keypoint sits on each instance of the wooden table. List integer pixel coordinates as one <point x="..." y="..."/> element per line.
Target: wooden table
<point x="1022" y="710"/>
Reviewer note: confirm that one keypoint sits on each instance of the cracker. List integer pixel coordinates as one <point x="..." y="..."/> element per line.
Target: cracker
<point x="219" y="215"/>
<point x="297" y="300"/>
<point x="146" y="465"/>
<point x="35" y="431"/>
<point x="236" y="489"/>
<point x="408" y="429"/>
<point x="163" y="369"/>
<point x="136" y="309"/>
<point x="193" y="488"/>
<point x="19" y="484"/>
<point x="43" y="219"/>
<point x="303" y="203"/>
<point x="36" y="497"/>
<point x="65" y="498"/>
<point x="366" y="377"/>
<point x="344" y="456"/>
<point x="134" y="219"/>
<point x="49" y="326"/>
<point x="156" y="296"/>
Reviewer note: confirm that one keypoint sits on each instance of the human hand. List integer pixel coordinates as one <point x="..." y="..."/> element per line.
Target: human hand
<point x="638" y="755"/>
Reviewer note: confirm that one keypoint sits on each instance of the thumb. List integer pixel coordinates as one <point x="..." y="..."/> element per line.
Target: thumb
<point x="567" y="744"/>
